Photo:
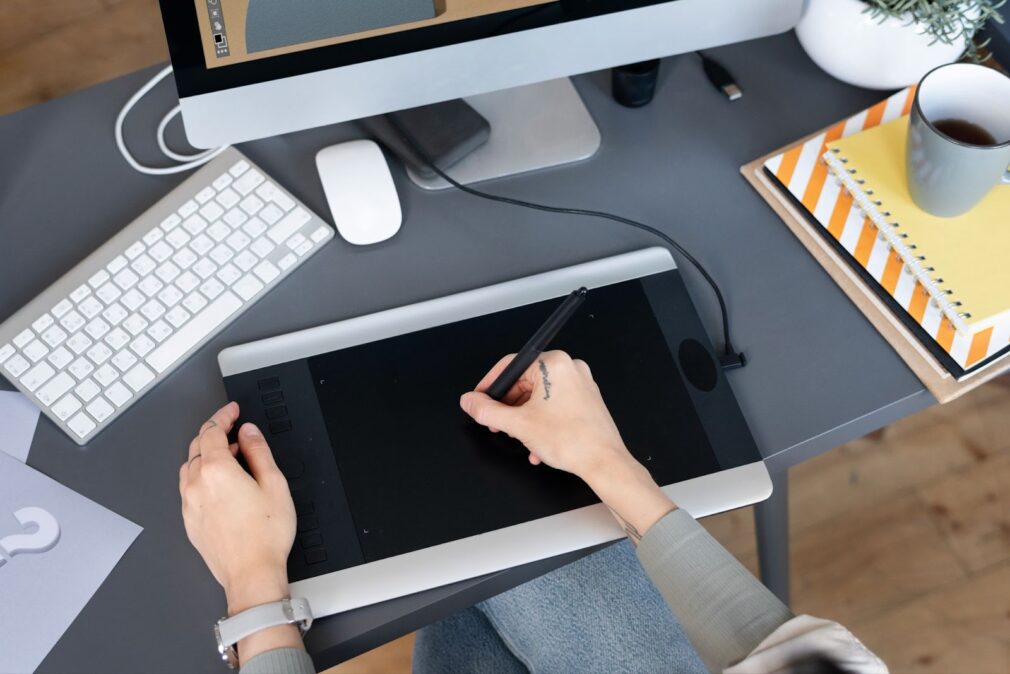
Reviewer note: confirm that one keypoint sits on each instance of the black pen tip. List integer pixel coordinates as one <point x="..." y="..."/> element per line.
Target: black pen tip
<point x="583" y="290"/>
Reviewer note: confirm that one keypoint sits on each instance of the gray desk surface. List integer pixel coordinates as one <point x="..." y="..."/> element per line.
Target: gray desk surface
<point x="819" y="374"/>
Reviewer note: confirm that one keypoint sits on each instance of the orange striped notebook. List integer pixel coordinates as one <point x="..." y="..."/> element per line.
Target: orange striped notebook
<point x="802" y="171"/>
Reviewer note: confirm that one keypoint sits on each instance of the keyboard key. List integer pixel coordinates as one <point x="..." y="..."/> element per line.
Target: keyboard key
<point x="320" y="234"/>
<point x="135" y="249"/>
<point x="81" y="368"/>
<point x="161" y="251"/>
<point x="198" y="328"/>
<point x="35" y="351"/>
<point x="87" y="390"/>
<point x="138" y="377"/>
<point x="228" y="198"/>
<point x="152" y="237"/>
<point x="37" y="376"/>
<point x="62" y="307"/>
<point x="246" y="260"/>
<point x="178" y="238"/>
<point x="60" y="358"/>
<point x="238" y="240"/>
<point x="125" y="279"/>
<point x="296" y="240"/>
<point x="66" y="406"/>
<point x="170" y="223"/>
<point x="184" y="258"/>
<point x="124" y="360"/>
<point x="98" y="278"/>
<point x="194" y="224"/>
<point x="194" y="302"/>
<point x="72" y="321"/>
<point x="205" y="195"/>
<point x="284" y="201"/>
<point x="222" y="182"/>
<point x="251" y="204"/>
<point x="43" y="322"/>
<point x="97" y="328"/>
<point x="115" y="314"/>
<point x="201" y="244"/>
<point x="218" y="231"/>
<point x="159" y="330"/>
<point x="78" y="343"/>
<point x="266" y="191"/>
<point x="118" y="394"/>
<point x="16" y="365"/>
<point x="99" y="353"/>
<point x="55" y="388"/>
<point x="135" y="324"/>
<point x="152" y="310"/>
<point x="240" y="167"/>
<point x="187" y="282"/>
<point x="142" y="345"/>
<point x="229" y="274"/>
<point x="170" y="296"/>
<point x="235" y="217"/>
<point x="248" y="182"/>
<point x="133" y="299"/>
<point x="291" y="223"/>
<point x="205" y="268"/>
<point x="117" y="264"/>
<point x="144" y="264"/>
<point x="168" y="271"/>
<point x="106" y="374"/>
<point x="221" y="254"/>
<point x="286" y="261"/>
<point x="211" y="212"/>
<point x="117" y="339"/>
<point x="23" y="338"/>
<point x="177" y="316"/>
<point x="271" y="213"/>
<point x="248" y="287"/>
<point x="109" y="292"/>
<point x="188" y="208"/>
<point x="266" y="271"/>
<point x="91" y="307"/>
<point x="81" y="425"/>
<point x="212" y="288"/>
<point x="80" y="293"/>
<point x="254" y="227"/>
<point x="54" y="336"/>
<point x="6" y="351"/>
<point x="100" y="409"/>
<point x="150" y="286"/>
<point x="261" y="247"/>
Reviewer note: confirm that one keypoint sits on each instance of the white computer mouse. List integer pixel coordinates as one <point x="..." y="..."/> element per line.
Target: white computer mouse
<point x="360" y="191"/>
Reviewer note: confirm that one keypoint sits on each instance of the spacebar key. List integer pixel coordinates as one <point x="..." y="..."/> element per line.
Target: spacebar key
<point x="191" y="334"/>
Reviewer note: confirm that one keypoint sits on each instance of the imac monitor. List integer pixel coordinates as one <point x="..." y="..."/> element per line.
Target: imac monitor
<point x="249" y="69"/>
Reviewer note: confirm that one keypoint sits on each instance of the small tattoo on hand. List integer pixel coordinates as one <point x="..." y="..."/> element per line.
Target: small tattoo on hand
<point x="547" y="382"/>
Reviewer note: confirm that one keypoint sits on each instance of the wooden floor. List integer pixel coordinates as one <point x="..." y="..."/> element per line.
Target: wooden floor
<point x="904" y="537"/>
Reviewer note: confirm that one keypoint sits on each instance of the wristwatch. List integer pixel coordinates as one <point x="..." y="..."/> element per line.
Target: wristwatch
<point x="230" y="631"/>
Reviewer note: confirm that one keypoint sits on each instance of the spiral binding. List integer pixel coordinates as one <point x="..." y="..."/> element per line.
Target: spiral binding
<point x="914" y="261"/>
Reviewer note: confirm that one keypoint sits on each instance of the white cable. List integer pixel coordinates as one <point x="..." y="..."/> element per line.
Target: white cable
<point x="189" y="161"/>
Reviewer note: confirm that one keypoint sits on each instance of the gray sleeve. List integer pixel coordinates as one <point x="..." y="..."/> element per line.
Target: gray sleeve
<point x="280" y="661"/>
<point x="724" y="610"/>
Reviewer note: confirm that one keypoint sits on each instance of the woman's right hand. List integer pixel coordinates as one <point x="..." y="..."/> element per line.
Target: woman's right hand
<point x="557" y="411"/>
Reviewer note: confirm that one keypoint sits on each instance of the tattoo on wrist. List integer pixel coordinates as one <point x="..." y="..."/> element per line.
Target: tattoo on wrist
<point x="629" y="529"/>
<point x="547" y="382"/>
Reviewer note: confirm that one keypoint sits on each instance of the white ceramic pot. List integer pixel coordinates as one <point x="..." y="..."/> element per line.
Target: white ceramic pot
<point x="851" y="45"/>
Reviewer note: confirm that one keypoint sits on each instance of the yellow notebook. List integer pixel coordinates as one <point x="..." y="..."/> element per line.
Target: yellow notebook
<point x="963" y="262"/>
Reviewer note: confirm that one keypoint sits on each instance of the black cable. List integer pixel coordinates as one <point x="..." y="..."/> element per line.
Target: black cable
<point x="730" y="359"/>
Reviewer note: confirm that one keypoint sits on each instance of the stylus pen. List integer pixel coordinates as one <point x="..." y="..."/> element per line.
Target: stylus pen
<point x="536" y="345"/>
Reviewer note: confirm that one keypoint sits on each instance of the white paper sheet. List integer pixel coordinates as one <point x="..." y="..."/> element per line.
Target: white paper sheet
<point x="56" y="549"/>
<point x="18" y="418"/>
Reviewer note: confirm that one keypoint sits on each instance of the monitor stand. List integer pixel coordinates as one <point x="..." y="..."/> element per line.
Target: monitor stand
<point x="532" y="127"/>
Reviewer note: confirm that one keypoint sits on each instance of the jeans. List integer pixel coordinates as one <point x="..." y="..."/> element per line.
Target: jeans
<point x="599" y="614"/>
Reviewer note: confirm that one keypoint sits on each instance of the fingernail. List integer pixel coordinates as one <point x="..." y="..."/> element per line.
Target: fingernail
<point x="464" y="402"/>
<point x="250" y="430"/>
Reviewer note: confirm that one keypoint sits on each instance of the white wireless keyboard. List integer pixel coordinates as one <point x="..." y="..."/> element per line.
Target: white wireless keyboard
<point x="98" y="339"/>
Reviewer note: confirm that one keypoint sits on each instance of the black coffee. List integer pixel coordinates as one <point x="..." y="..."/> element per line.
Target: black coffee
<point x="965" y="132"/>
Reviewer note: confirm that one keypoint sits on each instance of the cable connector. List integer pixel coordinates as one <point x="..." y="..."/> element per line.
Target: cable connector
<point x="732" y="360"/>
<point x="720" y="78"/>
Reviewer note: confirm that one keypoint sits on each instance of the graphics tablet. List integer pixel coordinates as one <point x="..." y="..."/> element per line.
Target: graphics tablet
<point x="397" y="491"/>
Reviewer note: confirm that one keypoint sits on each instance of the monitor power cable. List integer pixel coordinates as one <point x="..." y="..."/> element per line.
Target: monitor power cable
<point x="729" y="359"/>
<point x="187" y="161"/>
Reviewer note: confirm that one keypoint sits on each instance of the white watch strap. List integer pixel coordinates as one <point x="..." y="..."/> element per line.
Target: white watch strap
<point x="250" y="621"/>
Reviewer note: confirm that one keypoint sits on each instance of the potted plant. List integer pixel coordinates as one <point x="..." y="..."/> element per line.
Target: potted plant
<point x="889" y="44"/>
